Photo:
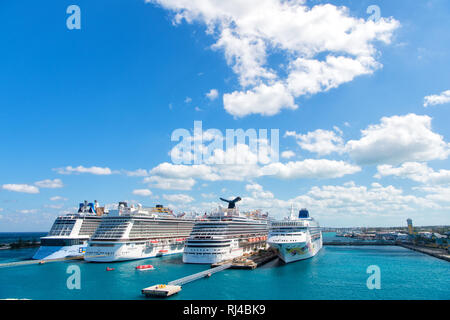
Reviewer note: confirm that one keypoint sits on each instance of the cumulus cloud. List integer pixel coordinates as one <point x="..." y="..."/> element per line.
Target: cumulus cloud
<point x="320" y="141"/>
<point x="81" y="169"/>
<point x="58" y="198"/>
<point x="51" y="184"/>
<point x="181" y="198"/>
<point x="287" y="154"/>
<point x="435" y="99"/>
<point x="323" y="47"/>
<point x="170" y="183"/>
<point x="23" y="188"/>
<point x="345" y="201"/>
<point x="398" y="139"/>
<point x="136" y="173"/>
<point x="310" y="168"/>
<point x="415" y="171"/>
<point x="212" y="94"/>
<point x="258" y="191"/>
<point x="264" y="99"/>
<point x="28" y="211"/>
<point x="142" y="192"/>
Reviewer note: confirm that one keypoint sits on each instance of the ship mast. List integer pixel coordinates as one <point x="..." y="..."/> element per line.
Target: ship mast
<point x="292" y="213"/>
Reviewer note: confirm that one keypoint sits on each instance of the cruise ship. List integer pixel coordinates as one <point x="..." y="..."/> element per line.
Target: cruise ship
<point x="296" y="237"/>
<point x="134" y="232"/>
<point x="70" y="233"/>
<point x="225" y="234"/>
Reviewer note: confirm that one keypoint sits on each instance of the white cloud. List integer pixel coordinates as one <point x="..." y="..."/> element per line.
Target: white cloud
<point x="187" y="100"/>
<point x="347" y="201"/>
<point x="264" y="99"/>
<point x="28" y="211"/>
<point x="310" y="168"/>
<point x="51" y="184"/>
<point x="437" y="193"/>
<point x="287" y="154"/>
<point x="170" y="183"/>
<point x="54" y="206"/>
<point x="58" y="198"/>
<point x="137" y="173"/>
<point x="432" y="100"/>
<point x="398" y="139"/>
<point x="183" y="198"/>
<point x="320" y="141"/>
<point x="415" y="171"/>
<point x="258" y="191"/>
<point x="212" y="94"/>
<point x="142" y="192"/>
<point x="323" y="46"/>
<point x="81" y="169"/>
<point x="208" y="195"/>
<point x="24" y="188"/>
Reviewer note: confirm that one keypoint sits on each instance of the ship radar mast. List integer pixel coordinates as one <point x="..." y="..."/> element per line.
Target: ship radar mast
<point x="292" y="212"/>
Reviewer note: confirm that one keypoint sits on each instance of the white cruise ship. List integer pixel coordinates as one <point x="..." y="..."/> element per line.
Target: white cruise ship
<point x="295" y="238"/>
<point x="131" y="233"/>
<point x="70" y="233"/>
<point x="225" y="234"/>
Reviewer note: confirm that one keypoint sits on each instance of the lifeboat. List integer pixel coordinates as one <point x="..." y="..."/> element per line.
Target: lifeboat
<point x="154" y="241"/>
<point x="163" y="251"/>
<point x="109" y="269"/>
<point x="145" y="267"/>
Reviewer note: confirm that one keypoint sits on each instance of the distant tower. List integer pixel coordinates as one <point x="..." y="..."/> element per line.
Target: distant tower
<point x="410" y="227"/>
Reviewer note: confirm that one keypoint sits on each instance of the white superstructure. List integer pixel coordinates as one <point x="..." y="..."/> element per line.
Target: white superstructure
<point x="295" y="238"/>
<point x="130" y="233"/>
<point x="70" y="233"/>
<point x="224" y="235"/>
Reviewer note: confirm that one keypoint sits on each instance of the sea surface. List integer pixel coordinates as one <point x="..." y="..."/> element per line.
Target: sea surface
<point x="9" y="237"/>
<point x="334" y="273"/>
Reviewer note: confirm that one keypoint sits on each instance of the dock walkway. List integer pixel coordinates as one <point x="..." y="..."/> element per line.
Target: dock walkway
<point x="202" y="274"/>
<point x="173" y="287"/>
<point x="29" y="262"/>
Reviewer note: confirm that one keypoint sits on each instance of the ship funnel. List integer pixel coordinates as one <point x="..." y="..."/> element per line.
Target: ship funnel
<point x="303" y="213"/>
<point x="231" y="203"/>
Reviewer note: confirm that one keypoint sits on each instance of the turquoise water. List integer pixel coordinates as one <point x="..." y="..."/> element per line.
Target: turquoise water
<point x="8" y="237"/>
<point x="334" y="273"/>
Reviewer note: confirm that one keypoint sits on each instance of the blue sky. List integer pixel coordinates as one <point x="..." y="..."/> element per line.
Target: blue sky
<point x="106" y="99"/>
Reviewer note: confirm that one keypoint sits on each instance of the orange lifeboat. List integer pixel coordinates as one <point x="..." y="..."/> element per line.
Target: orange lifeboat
<point x="145" y="267"/>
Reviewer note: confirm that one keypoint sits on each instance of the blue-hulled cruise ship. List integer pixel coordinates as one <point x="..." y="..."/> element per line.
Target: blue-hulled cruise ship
<point x="70" y="233"/>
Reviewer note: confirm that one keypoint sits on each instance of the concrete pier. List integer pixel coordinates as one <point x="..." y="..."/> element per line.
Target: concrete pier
<point x="250" y="261"/>
<point x="162" y="290"/>
<point x="30" y="262"/>
<point x="434" y="252"/>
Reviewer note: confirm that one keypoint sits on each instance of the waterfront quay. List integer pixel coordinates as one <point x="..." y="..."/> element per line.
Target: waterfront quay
<point x="247" y="261"/>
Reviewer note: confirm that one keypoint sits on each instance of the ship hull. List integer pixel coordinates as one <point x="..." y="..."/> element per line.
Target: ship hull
<point x="296" y="251"/>
<point x="59" y="252"/>
<point x="210" y="258"/>
<point x="112" y="252"/>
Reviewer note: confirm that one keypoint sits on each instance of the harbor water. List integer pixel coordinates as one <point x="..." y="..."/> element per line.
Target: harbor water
<point x="334" y="273"/>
